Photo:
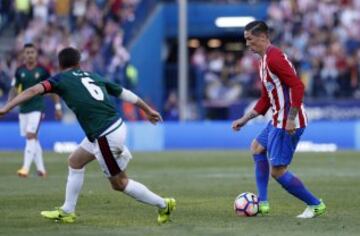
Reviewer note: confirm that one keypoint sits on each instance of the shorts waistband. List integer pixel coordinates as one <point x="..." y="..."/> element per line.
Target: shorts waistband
<point x="113" y="127"/>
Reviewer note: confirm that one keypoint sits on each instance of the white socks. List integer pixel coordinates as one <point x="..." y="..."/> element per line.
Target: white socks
<point x="33" y="152"/>
<point x="134" y="189"/>
<point x="38" y="158"/>
<point x="29" y="153"/>
<point x="73" y="188"/>
<point x="141" y="193"/>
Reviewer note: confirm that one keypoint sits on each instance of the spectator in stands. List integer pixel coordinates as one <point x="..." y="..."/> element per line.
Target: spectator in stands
<point x="5" y="13"/>
<point x="5" y="82"/>
<point x="89" y="25"/>
<point x="41" y="9"/>
<point x="22" y="14"/>
<point x="171" y="110"/>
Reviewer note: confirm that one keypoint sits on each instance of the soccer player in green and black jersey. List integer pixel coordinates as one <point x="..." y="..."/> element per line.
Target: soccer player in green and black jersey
<point x="88" y="96"/>
<point x="26" y="76"/>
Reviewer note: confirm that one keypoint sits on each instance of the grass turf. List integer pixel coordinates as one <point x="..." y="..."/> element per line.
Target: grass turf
<point x="204" y="185"/>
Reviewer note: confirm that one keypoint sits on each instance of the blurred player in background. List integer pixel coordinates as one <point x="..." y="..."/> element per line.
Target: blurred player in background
<point x="283" y="92"/>
<point x="26" y="76"/>
<point x="88" y="96"/>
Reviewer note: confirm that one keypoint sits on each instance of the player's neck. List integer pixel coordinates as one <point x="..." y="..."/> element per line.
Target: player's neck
<point x="266" y="47"/>
<point x="31" y="65"/>
<point x="71" y="68"/>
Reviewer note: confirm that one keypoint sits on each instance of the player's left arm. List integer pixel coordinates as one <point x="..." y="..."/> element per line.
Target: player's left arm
<point x="128" y="96"/>
<point x="152" y="115"/>
<point x="283" y="68"/>
<point x="22" y="97"/>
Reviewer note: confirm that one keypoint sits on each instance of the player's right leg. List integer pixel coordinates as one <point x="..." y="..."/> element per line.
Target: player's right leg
<point x="30" y="145"/>
<point x="32" y="128"/>
<point x="261" y="163"/>
<point x="77" y="161"/>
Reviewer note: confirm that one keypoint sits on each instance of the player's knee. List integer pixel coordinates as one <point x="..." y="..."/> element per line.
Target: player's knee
<point x="30" y="136"/>
<point x="119" y="183"/>
<point x="74" y="163"/>
<point x="277" y="171"/>
<point x="256" y="148"/>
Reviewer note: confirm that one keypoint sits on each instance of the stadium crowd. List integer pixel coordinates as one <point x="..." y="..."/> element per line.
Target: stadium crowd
<point x="91" y="26"/>
<point x="321" y="38"/>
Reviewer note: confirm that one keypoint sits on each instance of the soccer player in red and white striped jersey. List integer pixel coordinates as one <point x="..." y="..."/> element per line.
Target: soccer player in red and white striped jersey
<point x="274" y="147"/>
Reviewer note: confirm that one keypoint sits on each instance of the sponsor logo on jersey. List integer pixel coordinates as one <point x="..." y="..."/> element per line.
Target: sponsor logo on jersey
<point x="37" y="75"/>
<point x="23" y="75"/>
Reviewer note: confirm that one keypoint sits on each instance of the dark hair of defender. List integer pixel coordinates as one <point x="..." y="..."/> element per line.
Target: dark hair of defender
<point x="69" y="57"/>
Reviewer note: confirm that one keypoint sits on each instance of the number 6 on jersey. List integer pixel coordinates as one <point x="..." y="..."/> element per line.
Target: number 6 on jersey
<point x="94" y="90"/>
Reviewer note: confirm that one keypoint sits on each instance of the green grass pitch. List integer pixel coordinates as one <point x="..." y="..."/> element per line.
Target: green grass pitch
<point x="204" y="185"/>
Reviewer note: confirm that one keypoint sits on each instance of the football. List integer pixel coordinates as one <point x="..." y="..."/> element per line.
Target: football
<point x="246" y="204"/>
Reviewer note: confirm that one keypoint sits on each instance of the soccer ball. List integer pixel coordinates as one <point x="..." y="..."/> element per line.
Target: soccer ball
<point x="246" y="204"/>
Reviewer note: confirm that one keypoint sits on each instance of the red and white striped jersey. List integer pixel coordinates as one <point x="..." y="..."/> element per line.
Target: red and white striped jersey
<point x="281" y="89"/>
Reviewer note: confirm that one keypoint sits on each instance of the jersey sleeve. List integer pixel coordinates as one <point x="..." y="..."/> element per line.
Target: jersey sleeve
<point x="284" y="70"/>
<point x="263" y="104"/>
<point x="113" y="89"/>
<point x="51" y="85"/>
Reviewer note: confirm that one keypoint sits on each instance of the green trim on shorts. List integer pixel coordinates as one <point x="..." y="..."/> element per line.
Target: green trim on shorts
<point x="122" y="121"/>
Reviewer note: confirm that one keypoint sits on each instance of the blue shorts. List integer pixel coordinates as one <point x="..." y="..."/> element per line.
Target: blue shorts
<point x="280" y="145"/>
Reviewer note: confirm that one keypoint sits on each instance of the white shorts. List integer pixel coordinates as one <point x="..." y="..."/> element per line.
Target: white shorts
<point x="110" y="150"/>
<point x="29" y="122"/>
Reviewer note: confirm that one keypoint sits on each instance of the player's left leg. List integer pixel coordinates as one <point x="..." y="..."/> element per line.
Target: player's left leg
<point x="293" y="185"/>
<point x="113" y="157"/>
<point x="282" y="149"/>
<point x="141" y="193"/>
<point x="39" y="161"/>
<point x="115" y="170"/>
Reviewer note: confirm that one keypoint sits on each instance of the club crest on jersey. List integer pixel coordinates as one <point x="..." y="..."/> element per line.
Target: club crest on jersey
<point x="269" y="86"/>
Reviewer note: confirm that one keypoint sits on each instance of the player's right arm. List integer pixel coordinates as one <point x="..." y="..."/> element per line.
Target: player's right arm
<point x="22" y="97"/>
<point x="261" y="107"/>
<point x="237" y="124"/>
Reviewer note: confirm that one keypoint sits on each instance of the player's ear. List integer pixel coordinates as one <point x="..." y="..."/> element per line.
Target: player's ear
<point x="263" y="37"/>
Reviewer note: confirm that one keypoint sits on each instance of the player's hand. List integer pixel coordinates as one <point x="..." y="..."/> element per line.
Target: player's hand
<point x="237" y="124"/>
<point x="290" y="127"/>
<point x="154" y="116"/>
<point x="58" y="114"/>
<point x="3" y="111"/>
